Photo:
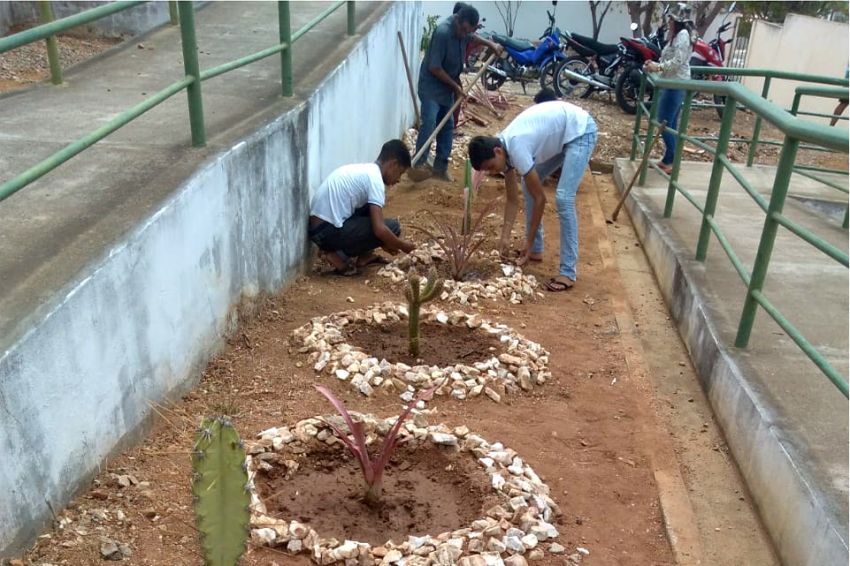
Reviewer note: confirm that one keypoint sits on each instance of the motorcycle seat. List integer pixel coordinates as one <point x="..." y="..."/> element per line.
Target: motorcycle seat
<point x="515" y="44"/>
<point x="599" y="48"/>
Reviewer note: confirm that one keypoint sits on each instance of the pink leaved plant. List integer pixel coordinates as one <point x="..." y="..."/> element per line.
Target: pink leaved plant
<point x="372" y="468"/>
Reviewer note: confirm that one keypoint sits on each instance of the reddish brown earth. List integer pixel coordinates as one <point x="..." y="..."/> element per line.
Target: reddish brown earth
<point x="426" y="491"/>
<point x="584" y="432"/>
<point x="441" y="345"/>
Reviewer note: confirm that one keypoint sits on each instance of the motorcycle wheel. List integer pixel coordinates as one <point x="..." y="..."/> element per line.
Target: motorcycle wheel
<point x="547" y="75"/>
<point x="565" y="86"/>
<point x="721" y="100"/>
<point x="626" y="91"/>
<point x="491" y="80"/>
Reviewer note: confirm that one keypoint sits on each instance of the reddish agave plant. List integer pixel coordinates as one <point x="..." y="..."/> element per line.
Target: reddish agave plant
<point x="372" y="468"/>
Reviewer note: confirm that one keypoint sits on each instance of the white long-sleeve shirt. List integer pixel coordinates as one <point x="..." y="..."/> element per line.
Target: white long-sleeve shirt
<point x="675" y="58"/>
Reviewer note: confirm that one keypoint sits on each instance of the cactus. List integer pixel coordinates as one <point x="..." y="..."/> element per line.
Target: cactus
<point x="466" y="227"/>
<point x="416" y="297"/>
<point x="220" y="490"/>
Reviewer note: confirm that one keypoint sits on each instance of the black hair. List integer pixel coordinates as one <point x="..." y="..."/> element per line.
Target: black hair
<point x="458" y="6"/>
<point x="545" y="95"/>
<point x="686" y="25"/>
<point x="482" y="148"/>
<point x="468" y="14"/>
<point x="395" y="150"/>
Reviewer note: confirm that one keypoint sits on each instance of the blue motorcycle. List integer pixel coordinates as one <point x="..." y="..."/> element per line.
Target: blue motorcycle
<point x="524" y="62"/>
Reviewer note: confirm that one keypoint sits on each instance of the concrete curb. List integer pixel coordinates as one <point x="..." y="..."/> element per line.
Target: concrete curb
<point x="792" y="508"/>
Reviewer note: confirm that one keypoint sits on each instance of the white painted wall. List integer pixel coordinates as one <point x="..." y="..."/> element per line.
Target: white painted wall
<point x="140" y="323"/>
<point x="802" y="44"/>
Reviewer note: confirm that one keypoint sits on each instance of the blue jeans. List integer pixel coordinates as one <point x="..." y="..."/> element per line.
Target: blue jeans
<point x="431" y="114"/>
<point x="572" y="162"/>
<point x="668" y="109"/>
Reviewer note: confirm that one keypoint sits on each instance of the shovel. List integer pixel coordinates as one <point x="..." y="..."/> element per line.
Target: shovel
<point x="637" y="173"/>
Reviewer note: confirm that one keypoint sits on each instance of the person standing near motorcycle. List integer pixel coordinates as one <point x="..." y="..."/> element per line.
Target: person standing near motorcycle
<point x="674" y="64"/>
<point x="538" y="141"/>
<point x="439" y="86"/>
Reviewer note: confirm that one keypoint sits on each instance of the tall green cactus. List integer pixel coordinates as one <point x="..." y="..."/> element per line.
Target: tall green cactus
<point x="220" y="490"/>
<point x="416" y="297"/>
<point x="467" y="199"/>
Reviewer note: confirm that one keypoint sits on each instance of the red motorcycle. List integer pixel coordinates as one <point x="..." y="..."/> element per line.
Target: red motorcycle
<point x="712" y="54"/>
<point x="637" y="51"/>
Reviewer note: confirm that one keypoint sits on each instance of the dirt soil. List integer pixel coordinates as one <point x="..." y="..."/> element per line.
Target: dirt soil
<point x="28" y="64"/>
<point x="583" y="431"/>
<point x="441" y="345"/>
<point x="426" y="491"/>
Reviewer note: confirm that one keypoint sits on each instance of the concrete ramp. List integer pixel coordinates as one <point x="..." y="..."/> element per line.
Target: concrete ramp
<point x="785" y="423"/>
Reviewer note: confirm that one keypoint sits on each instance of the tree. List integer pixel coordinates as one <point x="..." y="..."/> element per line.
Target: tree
<point x="642" y="14"/>
<point x="508" y="11"/>
<point x="705" y="12"/>
<point x="776" y="11"/>
<point x="597" y="21"/>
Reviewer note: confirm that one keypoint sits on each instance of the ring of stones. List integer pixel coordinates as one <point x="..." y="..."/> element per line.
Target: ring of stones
<point x="522" y="366"/>
<point x="518" y="525"/>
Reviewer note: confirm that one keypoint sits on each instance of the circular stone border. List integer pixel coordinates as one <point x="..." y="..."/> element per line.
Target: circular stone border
<point x="513" y="285"/>
<point x="515" y="527"/>
<point x="522" y="366"/>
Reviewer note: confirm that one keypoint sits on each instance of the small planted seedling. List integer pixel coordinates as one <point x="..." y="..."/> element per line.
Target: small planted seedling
<point x="220" y="490"/>
<point x="372" y="468"/>
<point x="457" y="246"/>
<point x="417" y="296"/>
<point x="467" y="199"/>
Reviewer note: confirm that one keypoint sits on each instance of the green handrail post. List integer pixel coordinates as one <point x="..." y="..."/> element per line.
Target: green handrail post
<point x="650" y="132"/>
<point x="352" y="25"/>
<point x="795" y="106"/>
<point x="45" y="11"/>
<point x="190" y="65"/>
<point x="716" y="176"/>
<point x="638" y="114"/>
<point x="751" y="155"/>
<point x="172" y="12"/>
<point x="768" y="237"/>
<point x="677" y="156"/>
<point x="285" y="35"/>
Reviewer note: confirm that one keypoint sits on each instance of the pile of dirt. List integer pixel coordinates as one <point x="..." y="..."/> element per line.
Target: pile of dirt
<point x="426" y="491"/>
<point x="441" y="345"/>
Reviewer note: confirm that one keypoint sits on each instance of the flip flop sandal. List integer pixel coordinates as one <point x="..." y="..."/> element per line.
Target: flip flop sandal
<point x="556" y="286"/>
<point x="377" y="260"/>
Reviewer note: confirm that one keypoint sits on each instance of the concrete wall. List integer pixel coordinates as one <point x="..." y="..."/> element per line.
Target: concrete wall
<point x="130" y="22"/>
<point x="139" y="325"/>
<point x="802" y="44"/>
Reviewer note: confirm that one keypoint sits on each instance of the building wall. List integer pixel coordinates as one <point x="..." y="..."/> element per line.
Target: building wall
<point x="140" y="324"/>
<point x="802" y="44"/>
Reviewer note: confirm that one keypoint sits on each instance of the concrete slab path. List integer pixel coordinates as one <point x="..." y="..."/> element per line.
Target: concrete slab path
<point x="801" y="408"/>
<point x="52" y="228"/>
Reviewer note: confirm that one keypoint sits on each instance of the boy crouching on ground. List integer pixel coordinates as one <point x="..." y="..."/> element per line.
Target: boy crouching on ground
<point x="346" y="213"/>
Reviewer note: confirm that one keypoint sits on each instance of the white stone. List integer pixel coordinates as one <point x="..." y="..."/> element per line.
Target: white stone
<point x="342" y="374"/>
<point x="535" y="555"/>
<point x="492" y="559"/>
<point x="294" y="545"/>
<point x="264" y="536"/>
<point x="498" y="481"/>
<point x="514" y="544"/>
<point x="392" y="556"/>
<point x="298" y="530"/>
<point x="443" y="439"/>
<point x="556" y="548"/>
<point x="515" y="560"/>
<point x="495" y="545"/>
<point x="583" y="550"/>
<point x="529" y="541"/>
<point x="346" y="550"/>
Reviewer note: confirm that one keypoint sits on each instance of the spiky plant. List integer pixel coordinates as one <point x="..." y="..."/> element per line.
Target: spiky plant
<point x="220" y="490"/>
<point x="457" y="246"/>
<point x="372" y="468"/>
<point x="416" y="296"/>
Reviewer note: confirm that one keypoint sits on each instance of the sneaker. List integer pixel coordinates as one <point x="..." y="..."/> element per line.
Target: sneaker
<point x="443" y="176"/>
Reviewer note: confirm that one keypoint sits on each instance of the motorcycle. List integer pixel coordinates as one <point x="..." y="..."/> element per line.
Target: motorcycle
<point x="524" y="61"/>
<point x="593" y="69"/>
<point x="713" y="54"/>
<point x="636" y="52"/>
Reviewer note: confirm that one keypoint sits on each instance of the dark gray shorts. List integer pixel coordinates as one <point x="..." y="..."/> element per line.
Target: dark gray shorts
<point x="354" y="238"/>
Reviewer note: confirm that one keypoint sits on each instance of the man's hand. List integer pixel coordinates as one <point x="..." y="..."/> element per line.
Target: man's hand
<point x="459" y="91"/>
<point x="498" y="49"/>
<point x="524" y="256"/>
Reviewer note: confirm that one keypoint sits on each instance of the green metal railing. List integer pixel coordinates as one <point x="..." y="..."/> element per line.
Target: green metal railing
<point x="795" y="131"/>
<point x="184" y="12"/>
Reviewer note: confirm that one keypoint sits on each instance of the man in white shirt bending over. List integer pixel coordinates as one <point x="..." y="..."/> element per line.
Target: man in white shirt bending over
<point x="346" y="213"/>
<point x="538" y="141"/>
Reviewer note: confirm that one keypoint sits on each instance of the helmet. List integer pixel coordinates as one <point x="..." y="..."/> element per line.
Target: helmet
<point x="681" y="13"/>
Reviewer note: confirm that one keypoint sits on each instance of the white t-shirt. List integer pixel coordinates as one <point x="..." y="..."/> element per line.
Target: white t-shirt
<point x="540" y="132"/>
<point x="345" y="190"/>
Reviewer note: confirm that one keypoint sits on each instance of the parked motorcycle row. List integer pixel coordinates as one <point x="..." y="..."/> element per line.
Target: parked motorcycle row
<point x="578" y="66"/>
